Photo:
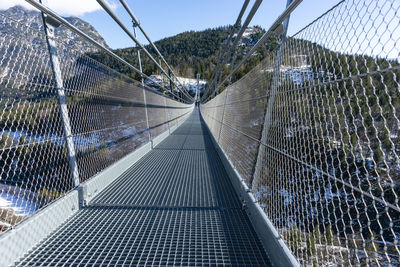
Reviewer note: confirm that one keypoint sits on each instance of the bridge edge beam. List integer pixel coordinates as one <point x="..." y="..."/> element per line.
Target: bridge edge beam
<point x="277" y="251"/>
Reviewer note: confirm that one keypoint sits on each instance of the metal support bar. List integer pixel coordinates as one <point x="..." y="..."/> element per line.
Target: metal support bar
<point x="215" y="84"/>
<point x="239" y="36"/>
<point x="247" y="22"/>
<point x="228" y="42"/>
<point x="171" y="85"/>
<point x="222" y="119"/>
<point x="144" y="90"/>
<point x="49" y="27"/>
<point x="197" y="88"/>
<point x="270" y="104"/>
<point x="232" y="64"/>
<point x="263" y="39"/>
<point x="166" y="115"/>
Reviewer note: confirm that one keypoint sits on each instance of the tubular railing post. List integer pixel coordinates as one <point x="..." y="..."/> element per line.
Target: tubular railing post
<point x="49" y="27"/>
<point x="197" y="88"/>
<point x="130" y="12"/>
<point x="214" y="92"/>
<point x="223" y="114"/>
<point x="167" y="114"/>
<point x="165" y="104"/>
<point x="170" y="82"/>
<point x="232" y="64"/>
<point x="271" y="100"/>
<point x="143" y="88"/>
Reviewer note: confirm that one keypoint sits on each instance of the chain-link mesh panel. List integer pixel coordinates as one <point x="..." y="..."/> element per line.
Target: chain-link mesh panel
<point x="235" y="116"/>
<point x="327" y="169"/>
<point x="107" y="109"/>
<point x="157" y="113"/>
<point x="176" y="111"/>
<point x="107" y="113"/>
<point x="33" y="160"/>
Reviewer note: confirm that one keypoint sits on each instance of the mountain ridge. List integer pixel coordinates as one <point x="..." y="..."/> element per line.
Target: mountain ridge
<point x="33" y="19"/>
<point x="194" y="52"/>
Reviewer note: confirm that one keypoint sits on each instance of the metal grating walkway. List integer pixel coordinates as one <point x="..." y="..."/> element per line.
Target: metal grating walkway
<point x="174" y="207"/>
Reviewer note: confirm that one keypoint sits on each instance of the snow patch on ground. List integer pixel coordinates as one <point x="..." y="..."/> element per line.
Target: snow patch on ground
<point x="189" y="83"/>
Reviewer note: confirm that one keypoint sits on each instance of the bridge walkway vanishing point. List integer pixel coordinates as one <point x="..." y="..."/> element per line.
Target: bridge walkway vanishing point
<point x="175" y="206"/>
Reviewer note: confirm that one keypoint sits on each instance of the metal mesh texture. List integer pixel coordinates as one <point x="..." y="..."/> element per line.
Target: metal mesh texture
<point x="320" y="145"/>
<point x="174" y="207"/>
<point x="106" y="111"/>
<point x="33" y="161"/>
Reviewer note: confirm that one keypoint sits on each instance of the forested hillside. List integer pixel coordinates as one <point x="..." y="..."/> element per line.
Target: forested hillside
<point x="193" y="52"/>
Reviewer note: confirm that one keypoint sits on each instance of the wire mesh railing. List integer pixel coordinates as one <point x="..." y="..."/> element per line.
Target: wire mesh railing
<point x="314" y="132"/>
<point x="106" y="110"/>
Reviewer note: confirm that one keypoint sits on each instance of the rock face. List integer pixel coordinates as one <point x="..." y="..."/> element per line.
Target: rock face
<point x="33" y="19"/>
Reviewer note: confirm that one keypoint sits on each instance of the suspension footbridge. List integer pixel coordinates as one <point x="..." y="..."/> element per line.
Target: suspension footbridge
<point x="296" y="162"/>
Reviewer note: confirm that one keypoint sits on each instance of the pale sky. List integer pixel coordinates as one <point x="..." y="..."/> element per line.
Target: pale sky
<point x="164" y="18"/>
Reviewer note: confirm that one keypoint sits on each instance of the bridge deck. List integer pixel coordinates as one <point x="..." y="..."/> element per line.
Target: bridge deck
<point x="176" y="206"/>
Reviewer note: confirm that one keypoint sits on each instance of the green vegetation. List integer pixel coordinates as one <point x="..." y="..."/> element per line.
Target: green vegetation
<point x="190" y="53"/>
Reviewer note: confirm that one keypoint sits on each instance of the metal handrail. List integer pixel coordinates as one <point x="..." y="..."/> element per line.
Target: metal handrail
<point x="228" y="42"/>
<point x="262" y="40"/>
<point x="64" y="22"/>
<point x="107" y="8"/>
